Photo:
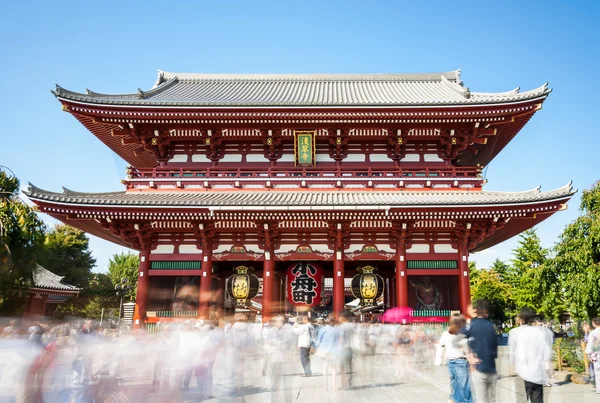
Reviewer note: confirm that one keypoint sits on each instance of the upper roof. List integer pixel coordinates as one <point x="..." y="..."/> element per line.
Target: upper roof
<point x="306" y="200"/>
<point x="304" y="90"/>
<point x="44" y="278"/>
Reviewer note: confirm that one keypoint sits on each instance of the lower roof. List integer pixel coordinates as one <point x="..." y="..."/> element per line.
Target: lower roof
<point x="298" y="199"/>
<point x="45" y="279"/>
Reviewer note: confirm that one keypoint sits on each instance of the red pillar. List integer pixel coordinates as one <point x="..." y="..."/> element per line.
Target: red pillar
<point x="401" y="275"/>
<point x="205" y="283"/>
<point x="338" y="283"/>
<point x="141" y="296"/>
<point x="463" y="279"/>
<point x="268" y="279"/>
<point x="276" y="295"/>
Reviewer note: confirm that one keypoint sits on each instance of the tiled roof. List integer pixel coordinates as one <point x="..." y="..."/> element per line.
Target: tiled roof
<point x="297" y="199"/>
<point x="43" y="278"/>
<point x="309" y="90"/>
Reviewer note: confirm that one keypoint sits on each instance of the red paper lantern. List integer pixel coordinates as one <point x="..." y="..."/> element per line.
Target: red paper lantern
<point x="305" y="284"/>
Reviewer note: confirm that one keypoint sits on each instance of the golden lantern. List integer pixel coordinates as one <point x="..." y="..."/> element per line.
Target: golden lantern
<point x="367" y="286"/>
<point x="242" y="286"/>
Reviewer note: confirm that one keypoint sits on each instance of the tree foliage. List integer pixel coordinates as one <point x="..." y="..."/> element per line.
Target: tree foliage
<point x="21" y="239"/>
<point x="576" y="264"/>
<point x="529" y="258"/>
<point x="67" y="253"/>
<point x="125" y="265"/>
<point x="487" y="284"/>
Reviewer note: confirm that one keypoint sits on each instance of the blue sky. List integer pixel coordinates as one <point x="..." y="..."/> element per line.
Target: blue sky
<point x="117" y="47"/>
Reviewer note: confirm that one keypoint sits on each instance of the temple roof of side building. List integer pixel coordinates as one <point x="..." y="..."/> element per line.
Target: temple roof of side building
<point x="44" y="278"/>
<point x="297" y="200"/>
<point x="304" y="90"/>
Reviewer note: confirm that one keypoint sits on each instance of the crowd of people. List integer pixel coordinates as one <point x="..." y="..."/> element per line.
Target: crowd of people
<point x="197" y="359"/>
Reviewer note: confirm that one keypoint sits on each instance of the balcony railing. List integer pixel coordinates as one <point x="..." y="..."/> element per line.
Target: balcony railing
<point x="453" y="177"/>
<point x="172" y="314"/>
<point x="433" y="312"/>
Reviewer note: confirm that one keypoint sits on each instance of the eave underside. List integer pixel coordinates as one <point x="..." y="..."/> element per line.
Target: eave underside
<point x="110" y="125"/>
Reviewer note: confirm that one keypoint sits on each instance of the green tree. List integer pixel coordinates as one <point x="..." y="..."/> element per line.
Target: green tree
<point x="487" y="284"/>
<point x="21" y="240"/>
<point x="125" y="265"/>
<point x="576" y="264"/>
<point x="502" y="269"/>
<point x="525" y="276"/>
<point x="67" y="253"/>
<point x="92" y="299"/>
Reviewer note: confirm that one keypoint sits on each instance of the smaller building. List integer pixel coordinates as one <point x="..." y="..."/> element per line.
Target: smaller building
<point x="47" y="292"/>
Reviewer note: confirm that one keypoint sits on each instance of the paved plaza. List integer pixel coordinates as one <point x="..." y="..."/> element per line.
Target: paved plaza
<point x="382" y="377"/>
<point x="378" y="378"/>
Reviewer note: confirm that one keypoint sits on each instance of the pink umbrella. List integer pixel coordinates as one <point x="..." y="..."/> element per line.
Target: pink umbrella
<point x="401" y="315"/>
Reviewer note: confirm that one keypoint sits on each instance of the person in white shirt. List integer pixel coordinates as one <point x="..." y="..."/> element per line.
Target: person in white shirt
<point x="305" y="332"/>
<point x="593" y="350"/>
<point x="530" y="352"/>
<point x="456" y="355"/>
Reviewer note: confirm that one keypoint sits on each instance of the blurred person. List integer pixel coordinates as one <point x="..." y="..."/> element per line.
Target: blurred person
<point x="586" y="329"/>
<point x="188" y="340"/>
<point x="11" y="331"/>
<point x="403" y="340"/>
<point x="593" y="350"/>
<point x="483" y="345"/>
<point x="545" y="328"/>
<point x="163" y="360"/>
<point x="206" y="353"/>
<point x="530" y="352"/>
<point x="36" y="331"/>
<point x="276" y="345"/>
<point x="327" y="350"/>
<point x="346" y="331"/>
<point x="305" y="331"/>
<point x="267" y="329"/>
<point x="238" y="346"/>
<point x="455" y="351"/>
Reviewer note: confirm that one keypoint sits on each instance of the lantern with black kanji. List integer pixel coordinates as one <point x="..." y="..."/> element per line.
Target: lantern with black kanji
<point x="367" y="286"/>
<point x="242" y="286"/>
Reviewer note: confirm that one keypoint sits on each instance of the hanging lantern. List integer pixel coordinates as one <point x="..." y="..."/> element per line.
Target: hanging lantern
<point x="367" y="286"/>
<point x="242" y="286"/>
<point x="305" y="284"/>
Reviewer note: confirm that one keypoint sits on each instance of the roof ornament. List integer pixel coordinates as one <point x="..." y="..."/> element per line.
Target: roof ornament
<point x="140" y="93"/>
<point x="57" y="91"/>
<point x="458" y="80"/>
<point x="468" y="93"/>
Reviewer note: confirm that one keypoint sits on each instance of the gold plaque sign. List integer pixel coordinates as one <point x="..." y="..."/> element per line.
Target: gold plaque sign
<point x="304" y="147"/>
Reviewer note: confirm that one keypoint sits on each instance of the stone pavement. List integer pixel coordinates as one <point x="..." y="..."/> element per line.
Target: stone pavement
<point x="378" y="378"/>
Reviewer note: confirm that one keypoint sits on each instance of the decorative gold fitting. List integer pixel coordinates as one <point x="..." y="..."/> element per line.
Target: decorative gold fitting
<point x="207" y="141"/>
<point x="453" y="141"/>
<point x="338" y="141"/>
<point x="399" y="141"/>
<point x="269" y="141"/>
<point x="65" y="108"/>
<point x="154" y="141"/>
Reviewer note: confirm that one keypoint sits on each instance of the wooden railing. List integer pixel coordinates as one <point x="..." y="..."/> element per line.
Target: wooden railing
<point x="163" y="172"/>
<point x="172" y="314"/>
<point x="428" y="313"/>
<point x="453" y="177"/>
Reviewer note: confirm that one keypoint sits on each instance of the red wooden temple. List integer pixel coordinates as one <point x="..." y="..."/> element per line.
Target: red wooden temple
<point x="268" y="170"/>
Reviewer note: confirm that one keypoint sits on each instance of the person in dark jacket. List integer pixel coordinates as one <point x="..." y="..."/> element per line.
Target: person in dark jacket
<point x="483" y="344"/>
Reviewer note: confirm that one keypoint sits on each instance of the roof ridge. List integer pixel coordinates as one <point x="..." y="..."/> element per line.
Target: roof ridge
<point x="452" y="76"/>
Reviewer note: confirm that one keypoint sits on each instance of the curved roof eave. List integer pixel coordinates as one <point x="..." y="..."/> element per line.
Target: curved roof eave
<point x="198" y="90"/>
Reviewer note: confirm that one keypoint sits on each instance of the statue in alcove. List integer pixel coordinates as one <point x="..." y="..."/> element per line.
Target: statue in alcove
<point x="428" y="295"/>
